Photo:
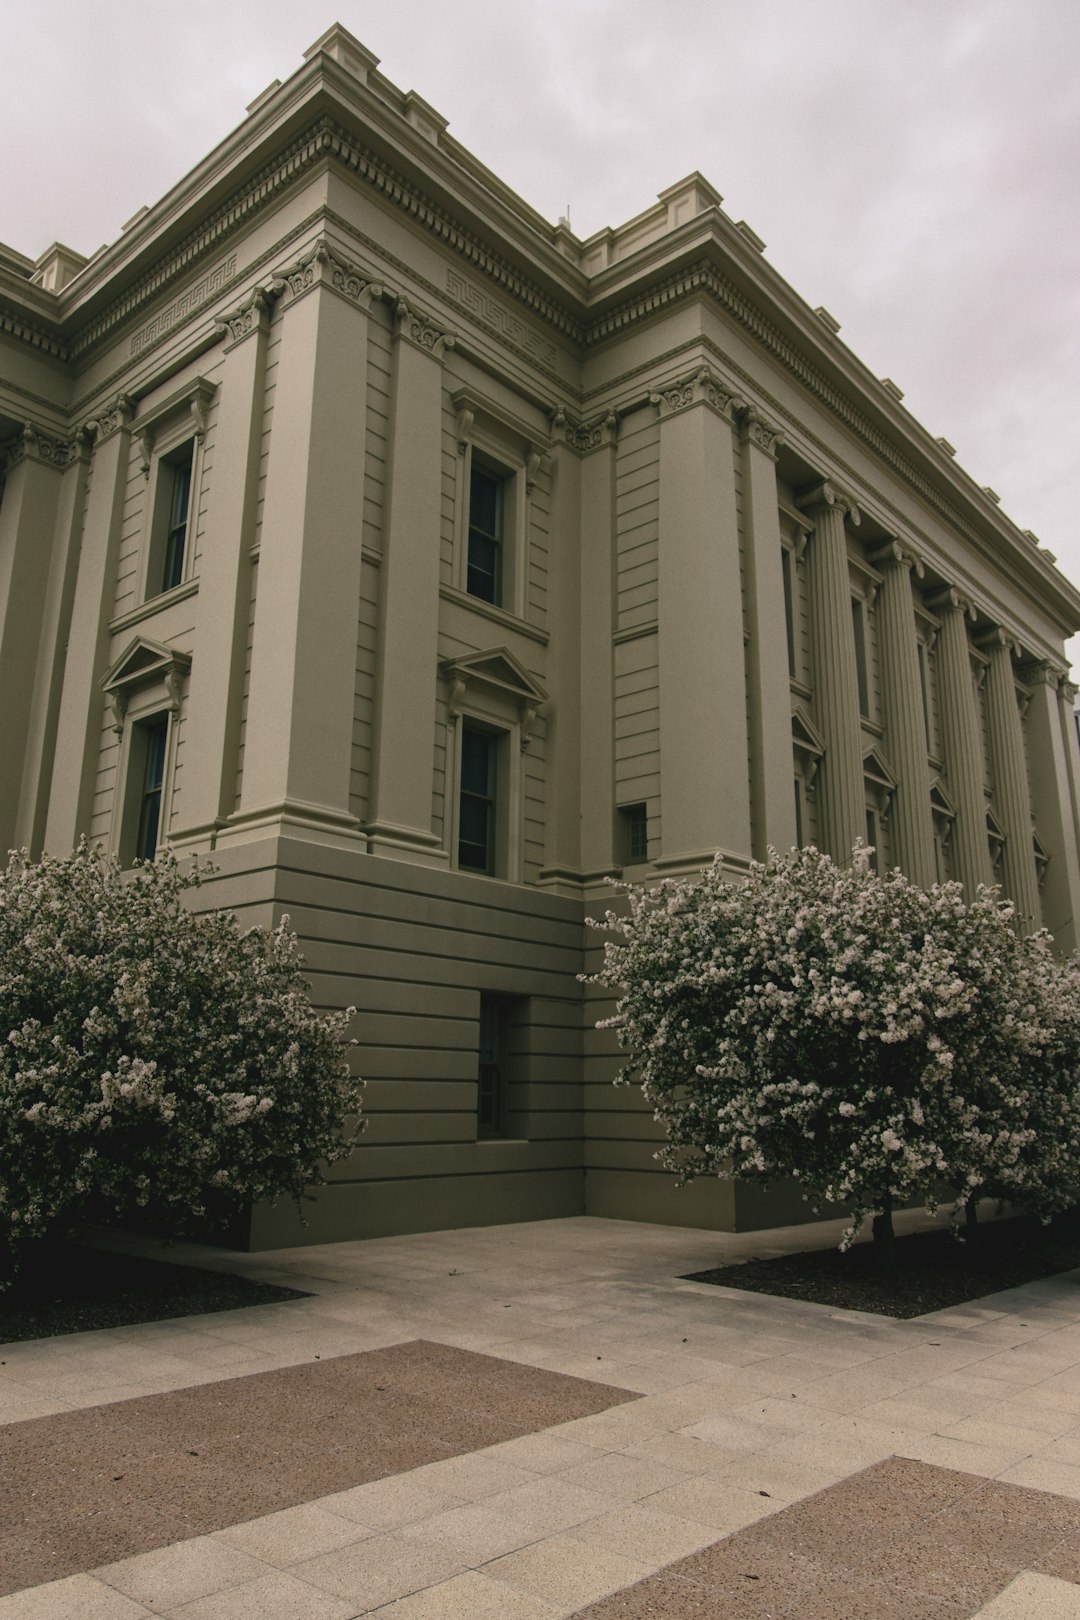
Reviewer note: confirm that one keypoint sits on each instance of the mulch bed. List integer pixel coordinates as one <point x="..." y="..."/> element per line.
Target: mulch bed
<point x="933" y="1269"/>
<point x="69" y="1288"/>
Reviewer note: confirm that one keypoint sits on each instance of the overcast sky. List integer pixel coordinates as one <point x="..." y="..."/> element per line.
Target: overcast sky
<point x="913" y="165"/>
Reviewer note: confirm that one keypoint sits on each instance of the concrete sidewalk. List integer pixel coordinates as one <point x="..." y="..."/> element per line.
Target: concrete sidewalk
<point x="748" y="1404"/>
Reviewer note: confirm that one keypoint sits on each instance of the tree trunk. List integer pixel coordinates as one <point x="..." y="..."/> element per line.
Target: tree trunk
<point x="971" y="1218"/>
<point x="884" y="1237"/>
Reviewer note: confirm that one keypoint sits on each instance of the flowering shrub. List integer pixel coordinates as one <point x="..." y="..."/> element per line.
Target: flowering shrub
<point x="855" y="1032"/>
<point x="152" y="1055"/>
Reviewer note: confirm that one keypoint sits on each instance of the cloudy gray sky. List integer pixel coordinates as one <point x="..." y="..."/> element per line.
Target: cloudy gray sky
<point x="914" y="165"/>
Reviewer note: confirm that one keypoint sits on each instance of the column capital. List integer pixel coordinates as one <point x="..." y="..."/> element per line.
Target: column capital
<point x="897" y="552"/>
<point x="416" y="328"/>
<point x="251" y="315"/>
<point x="759" y="431"/>
<point x="997" y="637"/>
<point x="32" y="444"/>
<point x="1044" y="672"/>
<point x="321" y="266"/>
<point x="1069" y="691"/>
<point x="952" y="600"/>
<point x="829" y="496"/>
<point x="111" y="419"/>
<point x="584" y="437"/>
<point x="701" y="387"/>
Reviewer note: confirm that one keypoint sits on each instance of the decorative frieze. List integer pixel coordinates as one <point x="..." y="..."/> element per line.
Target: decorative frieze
<point x="207" y="287"/>
<point x="498" y="317"/>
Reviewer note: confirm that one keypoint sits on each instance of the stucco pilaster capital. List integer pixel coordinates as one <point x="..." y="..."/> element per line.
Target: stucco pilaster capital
<point x="1044" y="672"/>
<point x="250" y="317"/>
<point x="1068" y="691"/>
<point x="323" y="266"/>
<point x="584" y="437"/>
<point x="826" y="497"/>
<point x="33" y="444"/>
<point x="411" y="326"/>
<point x="757" y="430"/>
<point x="994" y="640"/>
<point x="112" y="419"/>
<point x="701" y="387"/>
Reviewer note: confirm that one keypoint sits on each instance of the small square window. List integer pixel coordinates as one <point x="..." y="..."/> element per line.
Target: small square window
<point x="634" y="833"/>
<point x="477" y="803"/>
<point x="484" y="570"/>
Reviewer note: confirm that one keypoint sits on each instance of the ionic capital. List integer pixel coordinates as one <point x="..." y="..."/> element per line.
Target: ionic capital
<point x="828" y="496"/>
<point x="322" y="266"/>
<point x="896" y="553"/>
<point x="992" y="641"/>
<point x="759" y="431"/>
<point x="700" y="388"/>
<point x="112" y="419"/>
<point x="34" y="445"/>
<point x="950" y="600"/>
<point x="422" y="333"/>
<point x="250" y="316"/>
<point x="1043" y="672"/>
<point x="584" y="437"/>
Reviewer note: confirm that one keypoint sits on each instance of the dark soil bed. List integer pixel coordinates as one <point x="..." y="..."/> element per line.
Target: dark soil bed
<point x="70" y="1288"/>
<point x="933" y="1269"/>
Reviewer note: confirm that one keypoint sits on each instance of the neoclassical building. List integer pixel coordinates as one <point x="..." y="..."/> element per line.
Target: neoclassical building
<point x="425" y="566"/>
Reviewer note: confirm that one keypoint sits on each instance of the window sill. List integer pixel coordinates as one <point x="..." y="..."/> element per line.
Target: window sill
<point x="498" y="615"/>
<point x="155" y="604"/>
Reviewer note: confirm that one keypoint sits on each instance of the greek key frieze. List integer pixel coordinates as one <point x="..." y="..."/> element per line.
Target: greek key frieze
<point x="183" y="306"/>
<point x="495" y="315"/>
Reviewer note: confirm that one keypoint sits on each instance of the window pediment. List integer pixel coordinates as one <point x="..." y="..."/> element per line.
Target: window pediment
<point x="880" y="780"/>
<point x="144" y="663"/>
<point x="496" y="674"/>
<point x="808" y="746"/>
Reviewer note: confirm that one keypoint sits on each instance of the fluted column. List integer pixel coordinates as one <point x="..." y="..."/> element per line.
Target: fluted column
<point x="1052" y="801"/>
<point x="1009" y="770"/>
<point x="406" y="675"/>
<point x="1067" y="693"/>
<point x="836" y="681"/>
<point x="302" y="690"/>
<point x="905" y="725"/>
<point x="962" y="742"/>
<point x="768" y="683"/>
<point x="703" y="734"/>
<point x="79" y="726"/>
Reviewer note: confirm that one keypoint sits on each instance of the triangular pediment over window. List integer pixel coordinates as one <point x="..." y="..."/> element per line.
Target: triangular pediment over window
<point x="497" y="670"/>
<point x="144" y="663"/>
<point x="940" y="803"/>
<point x="880" y="781"/>
<point x="805" y="736"/>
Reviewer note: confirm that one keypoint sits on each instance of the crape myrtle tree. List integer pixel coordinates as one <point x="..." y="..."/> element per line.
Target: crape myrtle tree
<point x="866" y="1037"/>
<point x="153" y="1056"/>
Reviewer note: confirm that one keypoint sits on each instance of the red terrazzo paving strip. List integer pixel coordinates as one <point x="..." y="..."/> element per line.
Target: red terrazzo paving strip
<point x="83" y="1488"/>
<point x="902" y="1540"/>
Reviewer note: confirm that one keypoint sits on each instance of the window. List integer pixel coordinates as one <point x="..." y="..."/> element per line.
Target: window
<point x="484" y="570"/>
<point x="177" y="478"/>
<point x="152" y="737"/>
<point x="873" y="838"/>
<point x="787" y="562"/>
<point x="633" y="834"/>
<point x="477" y="805"/>
<point x="858" y="625"/>
<point x="491" y="1072"/>
<point x="924" y="686"/>
<point x="800" y="814"/>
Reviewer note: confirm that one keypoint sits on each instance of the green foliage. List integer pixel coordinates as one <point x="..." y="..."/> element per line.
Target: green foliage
<point x="866" y="1037"/>
<point x="151" y="1055"/>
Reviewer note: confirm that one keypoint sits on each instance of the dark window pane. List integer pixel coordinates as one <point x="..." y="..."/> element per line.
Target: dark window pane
<point x="152" y="783"/>
<point x="476" y="807"/>
<point x="476" y="752"/>
<point x="485" y="493"/>
<point x="485" y="536"/>
<point x="176" y="534"/>
<point x="483" y="569"/>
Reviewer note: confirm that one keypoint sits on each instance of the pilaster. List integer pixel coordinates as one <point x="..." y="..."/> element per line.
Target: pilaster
<point x="1052" y="802"/>
<point x="769" y="690"/>
<point x="597" y="442"/>
<point x="405" y="688"/>
<point x="962" y="742"/>
<point x="905" y="726"/>
<point x="703" y="733"/>
<point x="28" y="514"/>
<point x="1009" y="771"/>
<point x="301" y="700"/>
<point x="78" y="730"/>
<point x="842" y="816"/>
<point x="212" y="723"/>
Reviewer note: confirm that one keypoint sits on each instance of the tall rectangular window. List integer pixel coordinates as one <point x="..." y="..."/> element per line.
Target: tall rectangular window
<point x="476" y="805"/>
<point x="858" y="625"/>
<point x="491" y="1072"/>
<point x="787" y="563"/>
<point x="924" y="685"/>
<point x="174" y="538"/>
<point x="154" y="736"/>
<point x="485" y="560"/>
<point x="633" y="833"/>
